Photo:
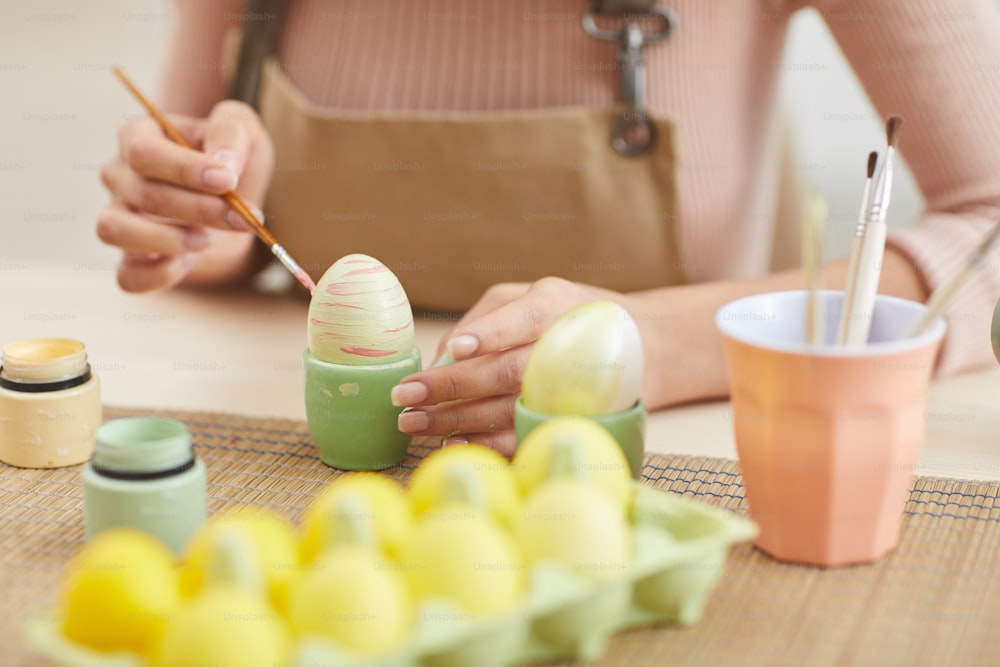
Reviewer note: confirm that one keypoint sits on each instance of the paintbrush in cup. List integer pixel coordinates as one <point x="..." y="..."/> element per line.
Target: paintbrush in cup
<point x="812" y="257"/>
<point x="942" y="297"/>
<point x="861" y="298"/>
<point x="852" y="262"/>
<point x="231" y="197"/>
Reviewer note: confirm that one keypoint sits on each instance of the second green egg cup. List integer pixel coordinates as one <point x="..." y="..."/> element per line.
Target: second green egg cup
<point x="628" y="427"/>
<point x="350" y="413"/>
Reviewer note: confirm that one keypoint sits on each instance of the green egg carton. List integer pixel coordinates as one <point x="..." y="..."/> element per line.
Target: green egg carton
<point x="41" y="632"/>
<point x="680" y="552"/>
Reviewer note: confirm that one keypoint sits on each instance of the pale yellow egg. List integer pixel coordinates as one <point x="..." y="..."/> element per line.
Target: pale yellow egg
<point x="271" y="543"/>
<point x="575" y="523"/>
<point x="597" y="457"/>
<point x="225" y="626"/>
<point x="492" y="479"/>
<point x="385" y="508"/>
<point x="588" y="363"/>
<point x="355" y="598"/>
<point x="461" y="554"/>
<point x="229" y="623"/>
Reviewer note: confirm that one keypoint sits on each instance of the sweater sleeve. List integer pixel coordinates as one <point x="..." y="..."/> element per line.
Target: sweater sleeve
<point x="937" y="64"/>
<point x="195" y="75"/>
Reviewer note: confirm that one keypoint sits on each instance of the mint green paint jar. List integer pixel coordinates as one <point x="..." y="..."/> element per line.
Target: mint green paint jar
<point x="144" y="475"/>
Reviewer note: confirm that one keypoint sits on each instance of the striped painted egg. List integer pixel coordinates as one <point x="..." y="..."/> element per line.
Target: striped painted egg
<point x="359" y="314"/>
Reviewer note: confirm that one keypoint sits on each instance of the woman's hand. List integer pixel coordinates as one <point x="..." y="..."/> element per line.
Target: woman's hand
<point x="473" y="399"/>
<point x="166" y="213"/>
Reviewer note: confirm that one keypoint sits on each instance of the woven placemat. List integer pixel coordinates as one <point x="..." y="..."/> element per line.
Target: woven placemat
<point x="934" y="601"/>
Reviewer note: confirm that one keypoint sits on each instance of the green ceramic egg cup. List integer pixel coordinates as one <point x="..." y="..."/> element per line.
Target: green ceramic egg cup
<point x="680" y="552"/>
<point x="350" y="414"/>
<point x="628" y="428"/>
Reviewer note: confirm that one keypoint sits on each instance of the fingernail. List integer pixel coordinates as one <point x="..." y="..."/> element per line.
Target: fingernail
<point x="228" y="158"/>
<point x="463" y="346"/>
<point x="219" y="179"/>
<point x="236" y="221"/>
<point x="413" y="421"/>
<point x="408" y="394"/>
<point x="454" y="440"/>
<point x="257" y="213"/>
<point x="196" y="239"/>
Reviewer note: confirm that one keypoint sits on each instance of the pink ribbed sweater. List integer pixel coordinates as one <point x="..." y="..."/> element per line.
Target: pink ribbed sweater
<point x="936" y="62"/>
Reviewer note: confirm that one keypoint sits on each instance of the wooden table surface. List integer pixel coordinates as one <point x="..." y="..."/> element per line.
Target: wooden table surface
<point x="241" y="353"/>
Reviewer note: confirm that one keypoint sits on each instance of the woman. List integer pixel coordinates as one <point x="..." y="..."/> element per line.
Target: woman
<point x="466" y="145"/>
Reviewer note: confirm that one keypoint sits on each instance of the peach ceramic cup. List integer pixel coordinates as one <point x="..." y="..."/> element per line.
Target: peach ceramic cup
<point x="828" y="436"/>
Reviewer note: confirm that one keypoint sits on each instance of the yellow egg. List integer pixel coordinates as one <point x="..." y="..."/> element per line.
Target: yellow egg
<point x="599" y="459"/>
<point x="229" y="623"/>
<point x="270" y="539"/>
<point x="588" y="363"/>
<point x="119" y="591"/>
<point x="492" y="478"/>
<point x="461" y="553"/>
<point x="354" y="598"/>
<point x="386" y="509"/>
<point x="575" y="523"/>
<point x="225" y="626"/>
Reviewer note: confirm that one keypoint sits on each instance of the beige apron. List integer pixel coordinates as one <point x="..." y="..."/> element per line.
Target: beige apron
<point x="456" y="202"/>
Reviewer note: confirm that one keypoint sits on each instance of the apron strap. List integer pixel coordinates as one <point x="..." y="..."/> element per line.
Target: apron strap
<point x="633" y="133"/>
<point x="261" y="30"/>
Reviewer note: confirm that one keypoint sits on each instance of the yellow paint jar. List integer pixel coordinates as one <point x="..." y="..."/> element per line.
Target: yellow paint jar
<point x="50" y="403"/>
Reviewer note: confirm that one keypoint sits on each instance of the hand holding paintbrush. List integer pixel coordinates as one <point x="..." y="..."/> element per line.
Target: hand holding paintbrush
<point x="231" y="198"/>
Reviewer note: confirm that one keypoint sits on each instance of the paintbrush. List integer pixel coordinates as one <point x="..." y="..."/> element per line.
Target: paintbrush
<point x="942" y="297"/>
<point x="812" y="256"/>
<point x="852" y="262"/>
<point x="231" y="197"/>
<point x="869" y="270"/>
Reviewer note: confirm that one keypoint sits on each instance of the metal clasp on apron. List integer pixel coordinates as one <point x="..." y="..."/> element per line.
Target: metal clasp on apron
<point x="632" y="133"/>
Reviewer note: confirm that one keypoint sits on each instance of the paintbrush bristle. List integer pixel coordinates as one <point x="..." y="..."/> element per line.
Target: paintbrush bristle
<point x="872" y="159"/>
<point x="892" y="130"/>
